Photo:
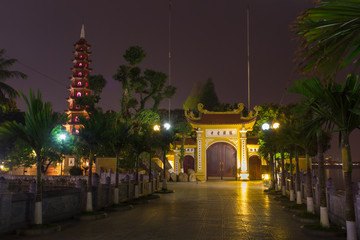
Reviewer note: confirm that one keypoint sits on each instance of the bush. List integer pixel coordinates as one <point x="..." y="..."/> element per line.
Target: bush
<point x="76" y="171"/>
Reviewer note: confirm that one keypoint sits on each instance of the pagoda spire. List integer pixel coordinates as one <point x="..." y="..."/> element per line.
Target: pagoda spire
<point x="82" y="33"/>
<point x="79" y="83"/>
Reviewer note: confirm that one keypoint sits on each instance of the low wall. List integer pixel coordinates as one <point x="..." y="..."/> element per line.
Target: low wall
<point x="59" y="202"/>
<point x="335" y="198"/>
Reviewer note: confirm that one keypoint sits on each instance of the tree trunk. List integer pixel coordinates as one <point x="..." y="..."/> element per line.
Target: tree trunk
<point x="349" y="196"/>
<point x="283" y="186"/>
<point x="272" y="180"/>
<point x="309" y="195"/>
<point x="324" y="216"/>
<point x="38" y="193"/>
<point x="137" y="170"/>
<point x="298" y="185"/>
<point x="275" y="174"/>
<point x="116" y="190"/>
<point x="89" y="206"/>
<point x="164" y="187"/>
<point x="292" y="194"/>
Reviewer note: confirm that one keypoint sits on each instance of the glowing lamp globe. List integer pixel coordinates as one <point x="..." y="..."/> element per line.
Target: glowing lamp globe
<point x="265" y="126"/>
<point x="62" y="137"/>
<point x="276" y="125"/>
<point x="167" y="126"/>
<point x="156" y="127"/>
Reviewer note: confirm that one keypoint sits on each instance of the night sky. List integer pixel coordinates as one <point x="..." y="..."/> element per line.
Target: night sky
<point x="208" y="40"/>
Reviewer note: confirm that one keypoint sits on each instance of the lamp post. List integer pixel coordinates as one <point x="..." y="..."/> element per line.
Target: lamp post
<point x="62" y="137"/>
<point x="156" y="129"/>
<point x="268" y="127"/>
<point x="167" y="126"/>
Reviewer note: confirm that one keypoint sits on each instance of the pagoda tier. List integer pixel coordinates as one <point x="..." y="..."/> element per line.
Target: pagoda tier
<point x="79" y="86"/>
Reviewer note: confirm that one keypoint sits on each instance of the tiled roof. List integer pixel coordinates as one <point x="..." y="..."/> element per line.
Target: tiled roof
<point x="221" y="119"/>
<point x="253" y="141"/>
<point x="188" y="141"/>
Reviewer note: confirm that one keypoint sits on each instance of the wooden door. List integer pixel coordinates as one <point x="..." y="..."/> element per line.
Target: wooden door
<point x="254" y="168"/>
<point x="221" y="162"/>
<point x="188" y="163"/>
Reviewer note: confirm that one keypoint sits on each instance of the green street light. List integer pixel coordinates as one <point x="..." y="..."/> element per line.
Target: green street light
<point x="62" y="137"/>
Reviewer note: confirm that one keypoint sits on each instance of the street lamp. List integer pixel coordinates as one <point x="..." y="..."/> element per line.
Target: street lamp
<point x="156" y="128"/>
<point x="267" y="127"/>
<point x="167" y="126"/>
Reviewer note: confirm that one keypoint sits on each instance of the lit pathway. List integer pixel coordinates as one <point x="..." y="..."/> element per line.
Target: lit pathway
<point x="206" y="211"/>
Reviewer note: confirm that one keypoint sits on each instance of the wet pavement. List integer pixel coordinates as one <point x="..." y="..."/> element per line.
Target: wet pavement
<point x="204" y="211"/>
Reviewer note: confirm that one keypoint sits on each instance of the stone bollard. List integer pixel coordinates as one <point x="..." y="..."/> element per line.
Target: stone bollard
<point x="127" y="181"/>
<point x="5" y="206"/>
<point x="79" y="184"/>
<point x="95" y="180"/>
<point x="108" y="189"/>
<point x="32" y="188"/>
<point x="141" y="183"/>
<point x="3" y="185"/>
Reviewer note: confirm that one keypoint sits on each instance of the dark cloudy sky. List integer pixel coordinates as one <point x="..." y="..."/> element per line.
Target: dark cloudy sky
<point x="208" y="40"/>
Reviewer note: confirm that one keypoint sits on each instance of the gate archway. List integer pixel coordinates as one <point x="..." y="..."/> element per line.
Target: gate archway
<point x="221" y="162"/>
<point x="254" y="168"/>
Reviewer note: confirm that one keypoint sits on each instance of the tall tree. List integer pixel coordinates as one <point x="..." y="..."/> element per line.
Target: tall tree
<point x="40" y="122"/>
<point x="329" y="36"/>
<point x="147" y="85"/>
<point x="208" y="95"/>
<point x="184" y="129"/>
<point x="193" y="99"/>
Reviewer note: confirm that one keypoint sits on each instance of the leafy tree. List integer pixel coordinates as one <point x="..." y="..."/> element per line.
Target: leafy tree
<point x="7" y="93"/>
<point x="208" y="95"/>
<point x="40" y="122"/>
<point x="147" y="85"/>
<point x="184" y="129"/>
<point x="194" y="98"/>
<point x="329" y="36"/>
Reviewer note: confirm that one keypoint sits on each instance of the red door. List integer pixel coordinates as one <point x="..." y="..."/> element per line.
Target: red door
<point x="221" y="162"/>
<point x="254" y="168"/>
<point x="188" y="163"/>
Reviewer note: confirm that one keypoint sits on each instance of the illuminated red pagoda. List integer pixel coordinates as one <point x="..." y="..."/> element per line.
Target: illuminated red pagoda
<point x="79" y="83"/>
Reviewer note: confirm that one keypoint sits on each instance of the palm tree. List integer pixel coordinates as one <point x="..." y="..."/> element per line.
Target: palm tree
<point x="339" y="104"/>
<point x="329" y="36"/>
<point x="40" y="122"/>
<point x="91" y="138"/>
<point x="116" y="133"/>
<point x="5" y="73"/>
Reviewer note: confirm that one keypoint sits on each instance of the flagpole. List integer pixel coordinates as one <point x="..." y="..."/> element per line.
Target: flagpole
<point x="169" y="70"/>
<point x="248" y="54"/>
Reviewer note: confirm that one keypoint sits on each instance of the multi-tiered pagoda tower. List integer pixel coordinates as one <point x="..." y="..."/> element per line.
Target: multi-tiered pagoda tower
<point x="79" y="83"/>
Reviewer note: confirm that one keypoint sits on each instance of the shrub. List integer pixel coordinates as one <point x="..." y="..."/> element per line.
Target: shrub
<point x="76" y="171"/>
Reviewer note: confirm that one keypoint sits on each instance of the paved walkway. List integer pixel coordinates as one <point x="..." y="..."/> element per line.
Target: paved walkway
<point x="204" y="211"/>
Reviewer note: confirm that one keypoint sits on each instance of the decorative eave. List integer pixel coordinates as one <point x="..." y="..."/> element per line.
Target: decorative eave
<point x="235" y="117"/>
